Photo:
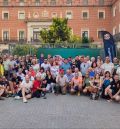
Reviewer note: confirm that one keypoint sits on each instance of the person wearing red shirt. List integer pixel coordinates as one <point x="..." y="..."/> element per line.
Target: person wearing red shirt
<point x="37" y="89"/>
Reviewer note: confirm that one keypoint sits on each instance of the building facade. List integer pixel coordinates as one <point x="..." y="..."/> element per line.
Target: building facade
<point x="22" y="20"/>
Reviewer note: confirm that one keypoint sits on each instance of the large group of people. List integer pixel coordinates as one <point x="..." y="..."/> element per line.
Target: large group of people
<point x="26" y="77"/>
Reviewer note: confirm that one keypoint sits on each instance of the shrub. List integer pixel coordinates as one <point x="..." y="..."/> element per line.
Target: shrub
<point x="24" y="50"/>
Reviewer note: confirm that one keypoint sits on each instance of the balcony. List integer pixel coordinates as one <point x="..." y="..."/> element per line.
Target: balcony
<point x="13" y="40"/>
<point x="59" y="3"/>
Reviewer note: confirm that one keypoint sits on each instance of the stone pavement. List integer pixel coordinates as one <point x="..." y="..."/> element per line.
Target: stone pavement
<point x="59" y="112"/>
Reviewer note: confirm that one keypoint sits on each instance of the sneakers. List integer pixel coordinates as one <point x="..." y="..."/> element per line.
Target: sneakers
<point x="78" y="94"/>
<point x="1" y="98"/>
<point x="17" y="97"/>
<point x="44" y="97"/>
<point x="24" y="100"/>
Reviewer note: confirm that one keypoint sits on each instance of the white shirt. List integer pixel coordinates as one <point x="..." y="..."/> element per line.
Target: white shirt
<point x="54" y="70"/>
<point x="45" y="66"/>
<point x="28" y="85"/>
<point x="118" y="71"/>
<point x="36" y="67"/>
<point x="41" y="75"/>
<point x="108" y="67"/>
<point x="61" y="80"/>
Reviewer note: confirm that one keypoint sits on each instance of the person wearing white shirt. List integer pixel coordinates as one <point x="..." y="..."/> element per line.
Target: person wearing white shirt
<point x="25" y="89"/>
<point x="45" y="65"/>
<point x="108" y="66"/>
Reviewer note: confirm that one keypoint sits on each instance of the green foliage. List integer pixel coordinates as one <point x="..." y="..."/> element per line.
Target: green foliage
<point x="24" y="50"/>
<point x="85" y="40"/>
<point x="75" y="39"/>
<point x="57" y="33"/>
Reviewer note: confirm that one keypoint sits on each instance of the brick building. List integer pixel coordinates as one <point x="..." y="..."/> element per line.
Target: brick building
<point x="22" y="20"/>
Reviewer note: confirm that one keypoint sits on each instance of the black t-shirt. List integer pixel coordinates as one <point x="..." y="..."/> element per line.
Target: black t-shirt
<point x="115" y="86"/>
<point x="49" y="80"/>
<point x="4" y="83"/>
<point x="16" y="80"/>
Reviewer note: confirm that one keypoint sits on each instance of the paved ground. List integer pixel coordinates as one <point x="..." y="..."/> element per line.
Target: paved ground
<point x="59" y="112"/>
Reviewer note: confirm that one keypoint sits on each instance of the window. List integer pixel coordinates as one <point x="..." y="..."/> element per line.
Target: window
<point x="53" y="2"/>
<point x="101" y="14"/>
<point x="99" y="34"/>
<point x="5" y="2"/>
<point x="5" y="15"/>
<point x="85" y="33"/>
<point x="21" y="2"/>
<point x="69" y="14"/>
<point x="114" y="30"/>
<point x="85" y="2"/>
<point x="21" y="15"/>
<point x="85" y="14"/>
<point x="45" y="13"/>
<point x="54" y="14"/>
<point x="101" y="2"/>
<point x="5" y="35"/>
<point x="37" y="2"/>
<point x="21" y="35"/>
<point x="69" y="2"/>
<point x="114" y="11"/>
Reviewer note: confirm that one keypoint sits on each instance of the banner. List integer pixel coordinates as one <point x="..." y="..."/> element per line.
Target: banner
<point x="109" y="45"/>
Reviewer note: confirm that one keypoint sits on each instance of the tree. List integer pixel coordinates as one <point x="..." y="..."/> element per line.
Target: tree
<point x="58" y="32"/>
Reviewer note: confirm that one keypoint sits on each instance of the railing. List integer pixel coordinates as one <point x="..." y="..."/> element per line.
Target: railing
<point x="61" y="45"/>
<point x="58" y="3"/>
<point x="12" y="40"/>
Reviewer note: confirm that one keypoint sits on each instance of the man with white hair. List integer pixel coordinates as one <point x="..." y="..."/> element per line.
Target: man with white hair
<point x="25" y="89"/>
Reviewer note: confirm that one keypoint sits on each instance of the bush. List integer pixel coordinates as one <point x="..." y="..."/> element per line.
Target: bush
<point x="24" y="50"/>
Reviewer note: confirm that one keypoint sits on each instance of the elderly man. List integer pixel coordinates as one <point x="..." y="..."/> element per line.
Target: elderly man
<point x="25" y="89"/>
<point x="61" y="82"/>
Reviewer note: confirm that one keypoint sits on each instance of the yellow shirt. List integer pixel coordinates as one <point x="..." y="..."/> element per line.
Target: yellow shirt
<point x="1" y="70"/>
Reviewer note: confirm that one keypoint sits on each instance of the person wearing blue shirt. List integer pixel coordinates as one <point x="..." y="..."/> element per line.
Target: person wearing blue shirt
<point x="65" y="65"/>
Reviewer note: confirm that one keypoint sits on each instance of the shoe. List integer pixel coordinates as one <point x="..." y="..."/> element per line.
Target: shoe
<point x="24" y="100"/>
<point x="44" y="97"/>
<point x="1" y="98"/>
<point x="53" y="92"/>
<point x="17" y="97"/>
<point x="78" y="94"/>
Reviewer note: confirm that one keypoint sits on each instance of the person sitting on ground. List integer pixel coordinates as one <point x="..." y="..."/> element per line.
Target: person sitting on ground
<point x="2" y="88"/>
<point x="61" y="82"/>
<point x="25" y="89"/>
<point x="76" y="84"/>
<point x="105" y="83"/>
<point x="113" y="90"/>
<point x="5" y="82"/>
<point x="14" y="83"/>
<point x="95" y="86"/>
<point x="50" y="82"/>
<point x="37" y="88"/>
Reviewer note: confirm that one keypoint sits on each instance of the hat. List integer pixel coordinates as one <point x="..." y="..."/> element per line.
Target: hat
<point x="61" y="71"/>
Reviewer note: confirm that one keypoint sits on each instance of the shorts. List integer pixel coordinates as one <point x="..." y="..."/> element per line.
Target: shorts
<point x="20" y="93"/>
